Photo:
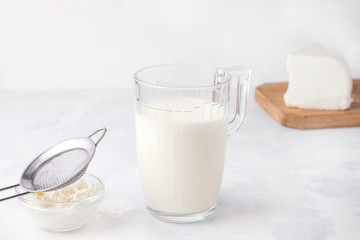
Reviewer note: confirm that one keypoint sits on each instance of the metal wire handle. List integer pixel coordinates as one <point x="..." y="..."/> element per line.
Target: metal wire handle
<point x="13" y="196"/>
<point x="104" y="130"/>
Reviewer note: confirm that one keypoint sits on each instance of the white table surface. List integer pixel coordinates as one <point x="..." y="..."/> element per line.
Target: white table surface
<point x="279" y="183"/>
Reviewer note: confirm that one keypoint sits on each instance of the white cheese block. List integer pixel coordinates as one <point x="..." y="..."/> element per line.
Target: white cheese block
<point x="319" y="78"/>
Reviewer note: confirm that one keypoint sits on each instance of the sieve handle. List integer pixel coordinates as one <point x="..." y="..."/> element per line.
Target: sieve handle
<point x="13" y="196"/>
<point x="104" y="130"/>
<point x="12" y="186"/>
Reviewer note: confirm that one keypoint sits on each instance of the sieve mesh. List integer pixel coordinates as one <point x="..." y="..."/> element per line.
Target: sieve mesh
<point x="60" y="169"/>
<point x="59" y="166"/>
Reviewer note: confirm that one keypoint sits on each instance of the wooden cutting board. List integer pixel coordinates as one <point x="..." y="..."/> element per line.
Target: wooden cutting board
<point x="270" y="97"/>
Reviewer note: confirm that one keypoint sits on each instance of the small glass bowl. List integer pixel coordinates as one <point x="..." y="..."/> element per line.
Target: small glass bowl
<point x="63" y="216"/>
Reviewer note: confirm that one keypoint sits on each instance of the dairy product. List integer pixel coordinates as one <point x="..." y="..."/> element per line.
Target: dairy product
<point x="67" y="208"/>
<point x="76" y="191"/>
<point x="181" y="146"/>
<point x="319" y="78"/>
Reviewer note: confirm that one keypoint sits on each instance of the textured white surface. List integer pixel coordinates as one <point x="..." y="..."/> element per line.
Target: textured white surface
<point x="99" y="44"/>
<point x="279" y="183"/>
<point x="319" y="78"/>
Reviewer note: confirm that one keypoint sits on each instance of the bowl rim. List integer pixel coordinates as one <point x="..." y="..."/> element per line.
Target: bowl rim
<point x="90" y="199"/>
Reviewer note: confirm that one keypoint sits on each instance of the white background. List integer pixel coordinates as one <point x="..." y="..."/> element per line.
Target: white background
<point x="88" y="44"/>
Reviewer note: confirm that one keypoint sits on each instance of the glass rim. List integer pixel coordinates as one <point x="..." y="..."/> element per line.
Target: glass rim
<point x="138" y="80"/>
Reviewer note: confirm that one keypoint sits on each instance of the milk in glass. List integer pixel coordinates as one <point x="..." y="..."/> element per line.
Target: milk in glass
<point x="181" y="146"/>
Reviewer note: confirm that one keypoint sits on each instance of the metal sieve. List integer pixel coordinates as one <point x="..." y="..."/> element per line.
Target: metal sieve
<point x="59" y="166"/>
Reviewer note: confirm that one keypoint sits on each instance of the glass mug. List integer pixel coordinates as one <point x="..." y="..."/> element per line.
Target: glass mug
<point x="182" y="123"/>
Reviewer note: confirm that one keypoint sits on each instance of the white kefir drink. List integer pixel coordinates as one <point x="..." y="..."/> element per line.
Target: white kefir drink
<point x="181" y="145"/>
<point x="182" y="113"/>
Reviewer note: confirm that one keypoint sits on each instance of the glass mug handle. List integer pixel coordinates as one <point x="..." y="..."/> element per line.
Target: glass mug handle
<point x="239" y="77"/>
